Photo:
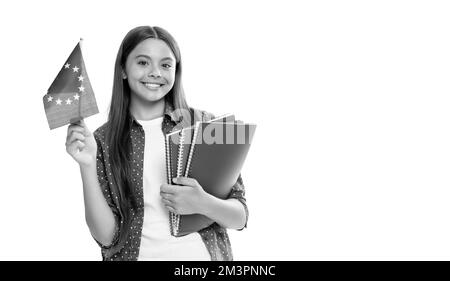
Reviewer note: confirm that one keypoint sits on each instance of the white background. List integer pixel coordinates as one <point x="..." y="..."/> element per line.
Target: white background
<point x="351" y="156"/>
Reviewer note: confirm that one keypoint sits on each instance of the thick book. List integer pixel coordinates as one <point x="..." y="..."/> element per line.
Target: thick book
<point x="213" y="153"/>
<point x="177" y="152"/>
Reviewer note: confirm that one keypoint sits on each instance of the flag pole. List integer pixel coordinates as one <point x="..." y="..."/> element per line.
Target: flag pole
<point x="83" y="66"/>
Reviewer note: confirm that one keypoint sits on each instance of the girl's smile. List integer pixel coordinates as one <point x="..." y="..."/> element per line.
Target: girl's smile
<point x="153" y="85"/>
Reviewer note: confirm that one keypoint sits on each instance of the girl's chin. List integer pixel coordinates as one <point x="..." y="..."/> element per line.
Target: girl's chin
<point x="152" y="96"/>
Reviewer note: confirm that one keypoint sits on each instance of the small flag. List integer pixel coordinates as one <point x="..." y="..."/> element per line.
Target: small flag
<point x="70" y="97"/>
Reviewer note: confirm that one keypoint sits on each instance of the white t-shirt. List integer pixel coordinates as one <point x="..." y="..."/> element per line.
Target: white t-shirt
<point x="156" y="242"/>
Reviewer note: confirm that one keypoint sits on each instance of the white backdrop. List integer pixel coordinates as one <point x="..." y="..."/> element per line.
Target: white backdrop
<point x="351" y="156"/>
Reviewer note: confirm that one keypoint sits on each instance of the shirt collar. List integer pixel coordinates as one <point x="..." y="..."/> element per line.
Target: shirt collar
<point x="170" y="111"/>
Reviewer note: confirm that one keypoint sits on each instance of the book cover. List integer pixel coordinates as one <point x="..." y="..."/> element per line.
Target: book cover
<point x="216" y="156"/>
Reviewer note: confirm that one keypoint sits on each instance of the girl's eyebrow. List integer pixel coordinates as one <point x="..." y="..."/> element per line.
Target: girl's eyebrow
<point x="166" y="58"/>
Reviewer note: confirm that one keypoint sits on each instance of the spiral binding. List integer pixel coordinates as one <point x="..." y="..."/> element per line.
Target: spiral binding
<point x="169" y="177"/>
<point x="191" y="151"/>
<point x="180" y="154"/>
<point x="179" y="174"/>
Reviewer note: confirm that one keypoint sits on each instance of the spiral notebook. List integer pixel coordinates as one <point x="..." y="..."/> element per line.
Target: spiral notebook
<point x="177" y="143"/>
<point x="213" y="153"/>
<point x="177" y="146"/>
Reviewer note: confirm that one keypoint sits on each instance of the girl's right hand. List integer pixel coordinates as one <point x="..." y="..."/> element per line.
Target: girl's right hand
<point x="80" y="144"/>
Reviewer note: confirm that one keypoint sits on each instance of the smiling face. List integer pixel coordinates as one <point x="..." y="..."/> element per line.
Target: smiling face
<point x="150" y="70"/>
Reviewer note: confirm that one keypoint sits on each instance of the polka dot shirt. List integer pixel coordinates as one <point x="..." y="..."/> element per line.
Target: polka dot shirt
<point x="215" y="237"/>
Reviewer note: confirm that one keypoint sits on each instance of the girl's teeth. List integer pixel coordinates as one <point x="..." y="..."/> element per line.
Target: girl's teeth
<point x="150" y="85"/>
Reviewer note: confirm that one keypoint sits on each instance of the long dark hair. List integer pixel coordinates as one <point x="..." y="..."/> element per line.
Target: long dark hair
<point x="119" y="119"/>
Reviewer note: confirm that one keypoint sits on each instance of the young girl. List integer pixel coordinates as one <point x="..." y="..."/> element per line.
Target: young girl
<point x="122" y="164"/>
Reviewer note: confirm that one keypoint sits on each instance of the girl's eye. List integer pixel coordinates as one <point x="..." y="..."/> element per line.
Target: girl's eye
<point x="142" y="62"/>
<point x="167" y="65"/>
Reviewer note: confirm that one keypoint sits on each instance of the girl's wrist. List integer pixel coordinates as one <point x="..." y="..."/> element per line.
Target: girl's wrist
<point x="206" y="203"/>
<point x="88" y="166"/>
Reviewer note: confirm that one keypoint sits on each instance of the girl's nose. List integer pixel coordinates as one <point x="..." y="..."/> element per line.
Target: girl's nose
<point x="154" y="72"/>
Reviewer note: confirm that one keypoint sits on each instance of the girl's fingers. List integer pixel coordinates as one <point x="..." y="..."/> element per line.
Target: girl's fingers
<point x="185" y="181"/>
<point x="74" y="147"/>
<point x="170" y="208"/>
<point x="75" y="136"/>
<point x="167" y="188"/>
<point x="81" y="123"/>
<point x="168" y="204"/>
<point x="75" y="128"/>
<point x="165" y="195"/>
<point x="80" y="144"/>
<point x="79" y="126"/>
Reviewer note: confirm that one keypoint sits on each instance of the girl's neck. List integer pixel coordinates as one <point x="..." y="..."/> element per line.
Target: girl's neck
<point x="146" y="110"/>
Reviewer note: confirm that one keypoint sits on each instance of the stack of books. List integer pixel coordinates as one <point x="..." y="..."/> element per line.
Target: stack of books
<point x="211" y="152"/>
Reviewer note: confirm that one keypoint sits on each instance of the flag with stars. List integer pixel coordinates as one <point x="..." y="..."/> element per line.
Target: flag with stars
<point x="70" y="97"/>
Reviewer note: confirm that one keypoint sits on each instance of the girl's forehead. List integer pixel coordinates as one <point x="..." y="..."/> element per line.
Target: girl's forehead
<point x="153" y="47"/>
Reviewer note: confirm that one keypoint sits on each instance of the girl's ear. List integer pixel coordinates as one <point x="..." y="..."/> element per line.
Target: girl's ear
<point x="124" y="75"/>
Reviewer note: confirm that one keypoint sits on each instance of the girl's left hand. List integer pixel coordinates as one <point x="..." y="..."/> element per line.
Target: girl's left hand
<point x="187" y="197"/>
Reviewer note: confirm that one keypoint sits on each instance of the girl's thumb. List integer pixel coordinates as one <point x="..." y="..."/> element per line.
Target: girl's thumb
<point x="82" y="124"/>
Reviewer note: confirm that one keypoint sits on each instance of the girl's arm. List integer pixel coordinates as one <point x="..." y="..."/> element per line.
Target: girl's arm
<point x="229" y="213"/>
<point x="99" y="217"/>
<point x="81" y="145"/>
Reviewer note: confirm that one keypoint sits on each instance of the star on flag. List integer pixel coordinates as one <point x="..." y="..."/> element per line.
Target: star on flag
<point x="70" y="97"/>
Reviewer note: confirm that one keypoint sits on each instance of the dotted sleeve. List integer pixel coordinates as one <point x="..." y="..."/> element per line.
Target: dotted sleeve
<point x="105" y="185"/>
